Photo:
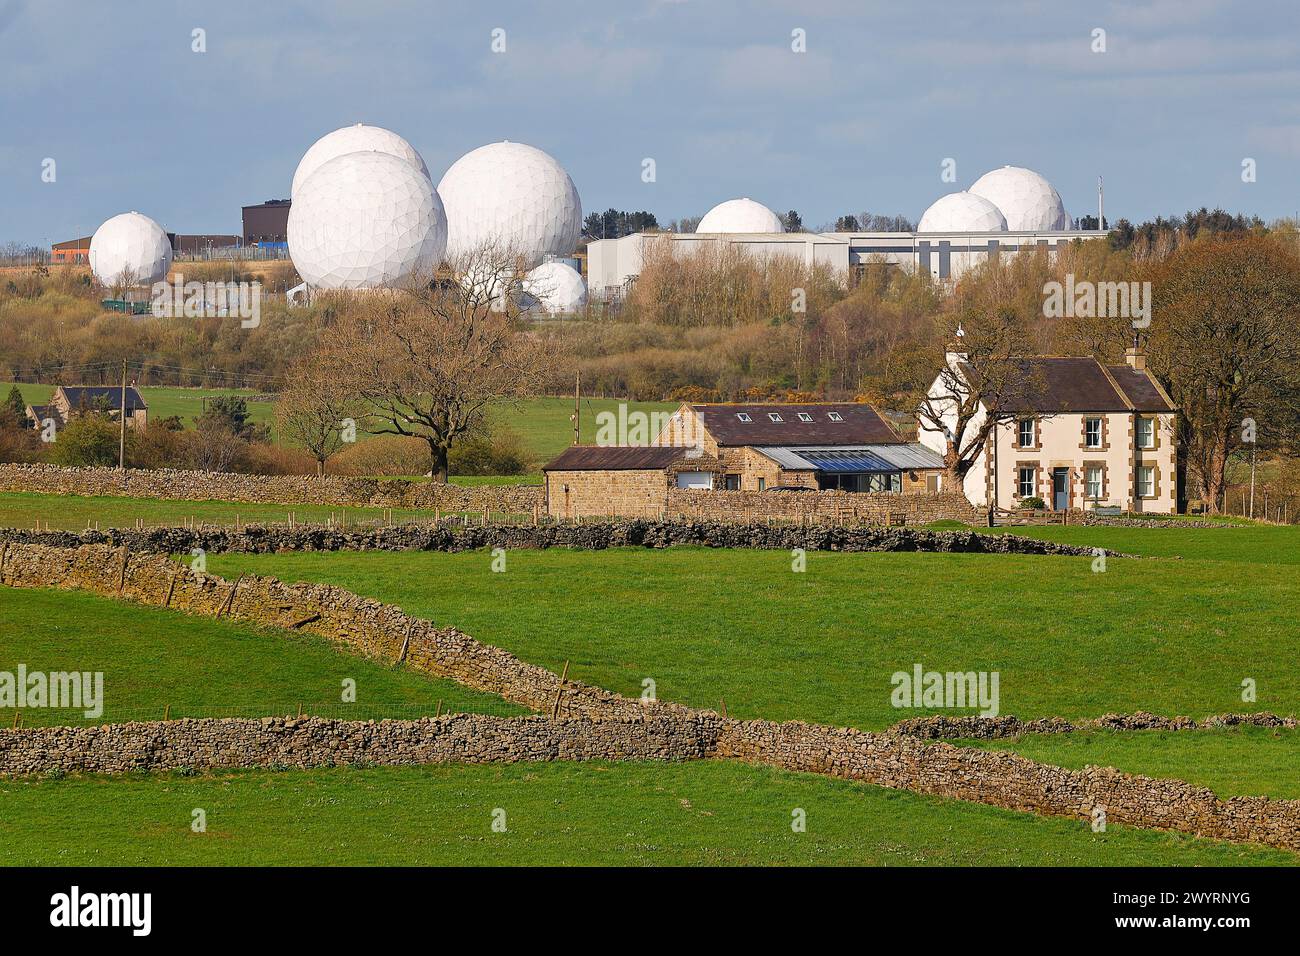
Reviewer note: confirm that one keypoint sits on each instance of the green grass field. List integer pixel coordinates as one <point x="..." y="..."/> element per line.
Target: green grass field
<point x="20" y="509"/>
<point x="701" y="813"/>
<point x="153" y="658"/>
<point x="1170" y="636"/>
<point x="164" y="401"/>
<point x="1173" y="637"/>
<point x="544" y="423"/>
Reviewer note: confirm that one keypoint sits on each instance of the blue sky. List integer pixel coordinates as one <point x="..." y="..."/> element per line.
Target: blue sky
<point x="710" y="89"/>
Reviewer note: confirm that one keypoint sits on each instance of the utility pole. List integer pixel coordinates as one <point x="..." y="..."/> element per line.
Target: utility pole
<point x="121" y="442"/>
<point x="577" y="405"/>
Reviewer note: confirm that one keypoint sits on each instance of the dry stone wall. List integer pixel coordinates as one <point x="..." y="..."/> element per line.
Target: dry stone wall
<point x="941" y="727"/>
<point x="1008" y="780"/>
<point x="166" y="483"/>
<point x="821" y="507"/>
<point x="597" y="536"/>
<point x="375" y="630"/>
<point x="593" y="724"/>
<point x="307" y="742"/>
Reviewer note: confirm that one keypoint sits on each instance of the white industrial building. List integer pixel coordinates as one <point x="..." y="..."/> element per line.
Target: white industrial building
<point x="613" y="263"/>
<point x="1005" y="211"/>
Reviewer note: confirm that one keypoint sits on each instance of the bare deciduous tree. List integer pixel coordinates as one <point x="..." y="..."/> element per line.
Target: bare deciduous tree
<point x="1224" y="343"/>
<point x="430" y="360"/>
<point x="313" y="411"/>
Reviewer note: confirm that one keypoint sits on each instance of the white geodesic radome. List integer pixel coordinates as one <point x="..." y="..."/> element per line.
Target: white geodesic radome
<point x="130" y="247"/>
<point x="354" y="139"/>
<point x="366" y="220"/>
<point x="740" y="215"/>
<point x="1027" y="200"/>
<point x="962" y="212"/>
<point x="556" y="288"/>
<point x="512" y="198"/>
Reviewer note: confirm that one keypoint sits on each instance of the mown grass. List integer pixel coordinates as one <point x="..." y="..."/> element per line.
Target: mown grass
<point x="703" y="813"/>
<point x="153" y="659"/>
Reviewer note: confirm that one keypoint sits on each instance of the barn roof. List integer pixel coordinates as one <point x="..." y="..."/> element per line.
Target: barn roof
<point x="776" y="424"/>
<point x="615" y="458"/>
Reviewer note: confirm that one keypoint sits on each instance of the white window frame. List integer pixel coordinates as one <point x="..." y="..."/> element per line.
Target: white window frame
<point x="835" y="416"/>
<point x="1146" y="475"/>
<point x="1021" y="482"/>
<point x="1087" y="433"/>
<point x="1020" y="433"/>
<point x="1150" y="426"/>
<point x="805" y="417"/>
<point x="775" y="416"/>
<point x="1088" y="491"/>
<point x="744" y="416"/>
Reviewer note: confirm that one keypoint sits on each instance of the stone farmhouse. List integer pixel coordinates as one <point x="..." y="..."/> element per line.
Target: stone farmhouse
<point x="762" y="447"/>
<point x="69" y="401"/>
<point x="1095" y="435"/>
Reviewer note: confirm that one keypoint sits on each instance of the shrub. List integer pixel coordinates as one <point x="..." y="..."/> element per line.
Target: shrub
<point x="1033" y="502"/>
<point x="383" y="456"/>
<point x="90" y="439"/>
<point x="498" y="452"/>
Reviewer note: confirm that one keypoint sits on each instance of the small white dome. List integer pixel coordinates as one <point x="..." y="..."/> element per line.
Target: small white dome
<point x="352" y="139"/>
<point x="1027" y="200"/>
<point x="556" y="287"/>
<point x="130" y="248"/>
<point x="962" y="212"/>
<point x="740" y="215"/>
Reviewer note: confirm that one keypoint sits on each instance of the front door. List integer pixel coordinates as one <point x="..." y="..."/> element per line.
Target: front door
<point x="1060" y="488"/>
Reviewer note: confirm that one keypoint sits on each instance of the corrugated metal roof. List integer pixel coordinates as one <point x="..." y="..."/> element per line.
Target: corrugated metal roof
<point x="850" y="459"/>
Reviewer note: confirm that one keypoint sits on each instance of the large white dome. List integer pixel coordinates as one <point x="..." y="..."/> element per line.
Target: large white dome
<point x="740" y="215"/>
<point x="556" y="287"/>
<point x="511" y="197"/>
<point x="364" y="221"/>
<point x="354" y="139"/>
<point x="962" y="212"/>
<point x="1027" y="200"/>
<point x="130" y="247"/>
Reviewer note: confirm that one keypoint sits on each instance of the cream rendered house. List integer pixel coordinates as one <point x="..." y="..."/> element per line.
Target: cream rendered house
<point x="1097" y="436"/>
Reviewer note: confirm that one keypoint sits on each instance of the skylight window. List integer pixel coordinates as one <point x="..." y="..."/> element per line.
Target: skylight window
<point x="775" y="417"/>
<point x="835" y="416"/>
<point x="744" y="416"/>
<point x="805" y="417"/>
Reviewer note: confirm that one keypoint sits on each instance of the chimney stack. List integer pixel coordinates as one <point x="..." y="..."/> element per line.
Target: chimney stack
<point x="1136" y="358"/>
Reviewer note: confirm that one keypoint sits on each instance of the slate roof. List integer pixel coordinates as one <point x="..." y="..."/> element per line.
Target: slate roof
<point x="860" y="424"/>
<point x="615" y="458"/>
<point x="109" y="395"/>
<point x="1078" y="384"/>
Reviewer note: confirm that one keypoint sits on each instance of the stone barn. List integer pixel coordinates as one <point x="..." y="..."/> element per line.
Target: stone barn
<point x="628" y="481"/>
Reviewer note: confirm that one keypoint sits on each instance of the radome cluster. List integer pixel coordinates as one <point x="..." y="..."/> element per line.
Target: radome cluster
<point x="1010" y="199"/>
<point x="366" y="215"/>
